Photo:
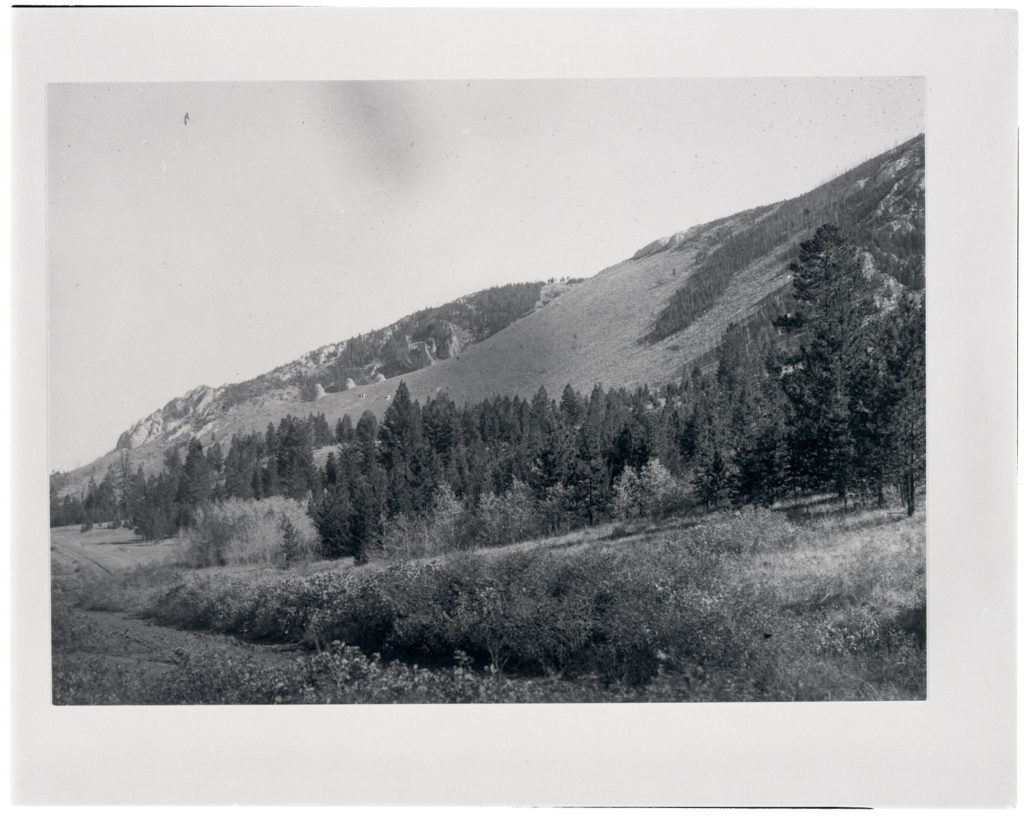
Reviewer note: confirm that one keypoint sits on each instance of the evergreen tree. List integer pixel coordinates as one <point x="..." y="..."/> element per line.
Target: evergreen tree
<point x="344" y="431"/>
<point x="441" y="428"/>
<point x="366" y="440"/>
<point x="833" y="304"/>
<point x="270" y="481"/>
<point x="401" y="454"/>
<point x="571" y="406"/>
<point x="553" y="461"/>
<point x="907" y="368"/>
<point x="289" y="540"/>
<point x="761" y="460"/>
<point x="195" y="484"/>
<point x="332" y="514"/>
<point x="711" y="478"/>
<point x="330" y="470"/>
<point x="296" y="472"/>
<point x="215" y="459"/>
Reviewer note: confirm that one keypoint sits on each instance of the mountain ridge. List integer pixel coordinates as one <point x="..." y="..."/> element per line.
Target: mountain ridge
<point x="604" y="329"/>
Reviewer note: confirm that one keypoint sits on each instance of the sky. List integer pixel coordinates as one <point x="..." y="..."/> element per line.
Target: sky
<point x="280" y="217"/>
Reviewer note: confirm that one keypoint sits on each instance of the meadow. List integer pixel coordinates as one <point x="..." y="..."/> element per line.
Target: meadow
<point x="803" y="602"/>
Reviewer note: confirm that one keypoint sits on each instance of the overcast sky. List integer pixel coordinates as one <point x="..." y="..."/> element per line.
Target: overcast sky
<point x="282" y="217"/>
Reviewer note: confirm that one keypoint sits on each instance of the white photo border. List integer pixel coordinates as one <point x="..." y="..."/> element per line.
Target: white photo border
<point x="956" y="748"/>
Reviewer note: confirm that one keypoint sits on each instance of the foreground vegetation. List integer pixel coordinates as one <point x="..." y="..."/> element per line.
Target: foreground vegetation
<point x="755" y="605"/>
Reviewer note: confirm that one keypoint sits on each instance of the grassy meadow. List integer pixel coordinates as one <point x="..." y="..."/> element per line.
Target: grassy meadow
<point x="807" y="602"/>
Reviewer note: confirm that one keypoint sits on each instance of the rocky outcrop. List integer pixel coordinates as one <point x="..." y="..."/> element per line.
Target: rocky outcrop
<point x="181" y="417"/>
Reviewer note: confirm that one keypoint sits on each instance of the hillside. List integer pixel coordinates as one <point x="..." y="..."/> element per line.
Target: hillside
<point x="414" y="342"/>
<point x="646" y="320"/>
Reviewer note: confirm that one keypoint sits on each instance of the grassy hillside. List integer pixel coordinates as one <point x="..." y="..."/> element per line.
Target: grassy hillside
<point x="807" y="603"/>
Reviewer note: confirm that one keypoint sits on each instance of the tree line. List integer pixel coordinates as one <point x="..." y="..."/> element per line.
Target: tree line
<point x="831" y="400"/>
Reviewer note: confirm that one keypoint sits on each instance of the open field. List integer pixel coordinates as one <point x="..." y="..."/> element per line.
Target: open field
<point x="809" y="603"/>
<point x="104" y="551"/>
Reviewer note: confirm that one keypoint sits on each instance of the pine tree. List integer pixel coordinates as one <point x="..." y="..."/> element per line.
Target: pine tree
<point x="344" y="431"/>
<point x="441" y="427"/>
<point x="331" y="514"/>
<point x="270" y="481"/>
<point x="571" y="406"/>
<point x="289" y="540"/>
<point x="366" y="440"/>
<point x="330" y="471"/>
<point x="833" y="303"/>
<point x="711" y="478"/>
<point x="195" y="484"/>
<point x="401" y="454"/>
<point x="907" y="367"/>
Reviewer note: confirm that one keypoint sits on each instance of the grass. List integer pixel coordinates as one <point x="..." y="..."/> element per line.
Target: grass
<point x="751" y="605"/>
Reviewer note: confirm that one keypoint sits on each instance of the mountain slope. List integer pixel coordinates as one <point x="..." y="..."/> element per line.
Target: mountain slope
<point x="879" y="205"/>
<point x="644" y="320"/>
<point x="411" y="343"/>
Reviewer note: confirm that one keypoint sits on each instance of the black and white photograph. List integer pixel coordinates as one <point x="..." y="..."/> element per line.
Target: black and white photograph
<point x="459" y="427"/>
<point x="454" y="385"/>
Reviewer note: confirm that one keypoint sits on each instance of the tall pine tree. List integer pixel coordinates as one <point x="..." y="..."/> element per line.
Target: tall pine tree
<point x="833" y="302"/>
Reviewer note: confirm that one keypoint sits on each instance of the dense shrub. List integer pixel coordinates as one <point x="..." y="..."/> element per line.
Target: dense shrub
<point x="271" y="531"/>
<point x="602" y="611"/>
<point x="652" y="492"/>
<point x="507" y="518"/>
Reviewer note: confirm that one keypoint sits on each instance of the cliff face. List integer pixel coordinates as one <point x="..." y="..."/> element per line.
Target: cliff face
<point x="179" y="418"/>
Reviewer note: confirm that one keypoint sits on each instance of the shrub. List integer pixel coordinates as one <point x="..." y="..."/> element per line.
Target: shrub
<point x="653" y="492"/>
<point x="447" y="527"/>
<point x="245" y="532"/>
<point x="603" y="612"/>
<point x="509" y="518"/>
